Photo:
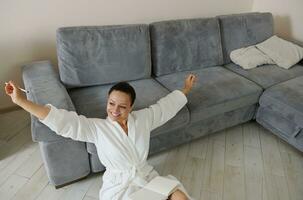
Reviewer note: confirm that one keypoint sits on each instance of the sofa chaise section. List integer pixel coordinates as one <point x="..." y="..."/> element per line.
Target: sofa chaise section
<point x="280" y="107"/>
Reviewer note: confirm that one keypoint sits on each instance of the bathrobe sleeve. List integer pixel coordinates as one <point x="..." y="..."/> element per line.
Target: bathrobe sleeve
<point x="71" y="125"/>
<point x="165" y="108"/>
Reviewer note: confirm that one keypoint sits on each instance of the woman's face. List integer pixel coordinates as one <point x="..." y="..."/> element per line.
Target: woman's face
<point x="118" y="106"/>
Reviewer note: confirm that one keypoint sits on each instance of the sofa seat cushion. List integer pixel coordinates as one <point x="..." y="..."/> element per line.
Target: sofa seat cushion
<point x="286" y="98"/>
<point x="281" y="111"/>
<point x="267" y="75"/>
<point x="217" y="91"/>
<point x="281" y="125"/>
<point x="91" y="102"/>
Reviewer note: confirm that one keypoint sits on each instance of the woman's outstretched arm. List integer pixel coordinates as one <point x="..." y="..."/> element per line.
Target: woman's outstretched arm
<point x="65" y="123"/>
<point x="19" y="99"/>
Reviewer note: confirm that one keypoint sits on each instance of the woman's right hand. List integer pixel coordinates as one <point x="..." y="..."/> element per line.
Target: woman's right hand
<point x="190" y="80"/>
<point x="12" y="90"/>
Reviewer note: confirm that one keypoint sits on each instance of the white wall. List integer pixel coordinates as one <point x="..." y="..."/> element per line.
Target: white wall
<point x="288" y="17"/>
<point x="28" y="27"/>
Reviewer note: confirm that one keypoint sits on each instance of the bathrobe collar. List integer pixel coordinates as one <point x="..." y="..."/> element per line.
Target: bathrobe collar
<point x="130" y="126"/>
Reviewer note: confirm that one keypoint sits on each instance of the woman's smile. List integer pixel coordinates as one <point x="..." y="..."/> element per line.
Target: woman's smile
<point x="116" y="114"/>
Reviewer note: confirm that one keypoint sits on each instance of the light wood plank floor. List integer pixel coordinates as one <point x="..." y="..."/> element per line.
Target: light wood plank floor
<point x="242" y="162"/>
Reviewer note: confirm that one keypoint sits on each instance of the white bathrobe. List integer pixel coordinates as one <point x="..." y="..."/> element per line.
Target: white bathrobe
<point x="124" y="156"/>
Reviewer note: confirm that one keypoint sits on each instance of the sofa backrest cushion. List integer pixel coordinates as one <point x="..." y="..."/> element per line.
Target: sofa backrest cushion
<point x="242" y="30"/>
<point x="187" y="44"/>
<point x="103" y="54"/>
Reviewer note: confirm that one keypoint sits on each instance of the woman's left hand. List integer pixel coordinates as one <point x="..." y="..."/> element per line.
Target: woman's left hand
<point x="189" y="83"/>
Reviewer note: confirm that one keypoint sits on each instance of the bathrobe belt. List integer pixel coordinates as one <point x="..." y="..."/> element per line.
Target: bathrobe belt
<point x="135" y="174"/>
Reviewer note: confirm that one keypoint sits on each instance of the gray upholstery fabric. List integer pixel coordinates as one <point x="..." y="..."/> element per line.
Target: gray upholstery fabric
<point x="287" y="98"/>
<point x="281" y="126"/>
<point x="217" y="91"/>
<point x="273" y="120"/>
<point x="180" y="45"/>
<point x="242" y="30"/>
<point x="65" y="161"/>
<point x="206" y="126"/>
<point x="44" y="86"/>
<point x="103" y="54"/>
<point x="267" y="75"/>
<point x="95" y="163"/>
<point x="221" y="121"/>
<point x="281" y="110"/>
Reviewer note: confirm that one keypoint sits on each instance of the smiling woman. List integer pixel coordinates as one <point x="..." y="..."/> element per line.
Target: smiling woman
<point x="121" y="98"/>
<point x="122" y="139"/>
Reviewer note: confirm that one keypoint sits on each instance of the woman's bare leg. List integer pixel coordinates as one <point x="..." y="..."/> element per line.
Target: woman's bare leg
<point x="178" y="195"/>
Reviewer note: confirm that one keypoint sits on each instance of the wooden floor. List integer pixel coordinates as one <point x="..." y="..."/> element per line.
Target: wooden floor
<point x="243" y="162"/>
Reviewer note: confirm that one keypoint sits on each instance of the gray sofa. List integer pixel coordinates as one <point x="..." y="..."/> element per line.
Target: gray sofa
<point x="155" y="59"/>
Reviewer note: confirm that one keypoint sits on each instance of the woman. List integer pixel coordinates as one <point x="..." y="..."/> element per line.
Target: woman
<point x="122" y="139"/>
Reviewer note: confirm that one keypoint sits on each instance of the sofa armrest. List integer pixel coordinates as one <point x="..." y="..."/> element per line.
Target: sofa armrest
<point x="44" y="86"/>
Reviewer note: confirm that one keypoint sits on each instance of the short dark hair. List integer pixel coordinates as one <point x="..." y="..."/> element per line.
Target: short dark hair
<point x="126" y="88"/>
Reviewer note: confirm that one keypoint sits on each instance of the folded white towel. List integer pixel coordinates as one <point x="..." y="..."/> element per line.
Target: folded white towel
<point x="250" y="57"/>
<point x="284" y="53"/>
